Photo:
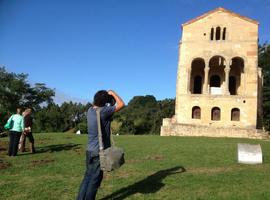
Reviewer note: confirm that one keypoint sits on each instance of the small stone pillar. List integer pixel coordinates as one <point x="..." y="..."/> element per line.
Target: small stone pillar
<point x="205" y="86"/>
<point x="227" y="72"/>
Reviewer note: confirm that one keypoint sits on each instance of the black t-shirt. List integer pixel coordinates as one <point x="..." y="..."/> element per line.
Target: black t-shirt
<point x="28" y="121"/>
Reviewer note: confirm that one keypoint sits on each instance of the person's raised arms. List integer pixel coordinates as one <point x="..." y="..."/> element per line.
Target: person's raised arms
<point x="119" y="102"/>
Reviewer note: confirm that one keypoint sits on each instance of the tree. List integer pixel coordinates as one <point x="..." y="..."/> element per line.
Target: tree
<point x="55" y="118"/>
<point x="143" y="115"/>
<point x="16" y="91"/>
<point x="264" y="63"/>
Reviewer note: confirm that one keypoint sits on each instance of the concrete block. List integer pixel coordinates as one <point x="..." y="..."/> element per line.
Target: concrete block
<point x="249" y="153"/>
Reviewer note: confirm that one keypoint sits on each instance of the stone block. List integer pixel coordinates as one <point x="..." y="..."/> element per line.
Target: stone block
<point x="249" y="153"/>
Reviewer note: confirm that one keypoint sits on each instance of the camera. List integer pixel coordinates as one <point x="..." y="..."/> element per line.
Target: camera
<point x="111" y="100"/>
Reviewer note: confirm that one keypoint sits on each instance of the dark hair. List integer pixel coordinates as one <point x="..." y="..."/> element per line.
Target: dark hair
<point x="102" y="97"/>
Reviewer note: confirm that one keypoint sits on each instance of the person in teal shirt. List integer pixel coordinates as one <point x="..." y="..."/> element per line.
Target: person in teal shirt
<point x="15" y="132"/>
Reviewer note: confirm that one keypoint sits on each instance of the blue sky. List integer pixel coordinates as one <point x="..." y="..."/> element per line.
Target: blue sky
<point x="81" y="46"/>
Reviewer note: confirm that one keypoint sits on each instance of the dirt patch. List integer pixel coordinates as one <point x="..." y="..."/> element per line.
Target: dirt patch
<point x="156" y="157"/>
<point x="213" y="170"/>
<point x="41" y="162"/>
<point x="4" y="164"/>
<point x="3" y="149"/>
<point x="133" y="161"/>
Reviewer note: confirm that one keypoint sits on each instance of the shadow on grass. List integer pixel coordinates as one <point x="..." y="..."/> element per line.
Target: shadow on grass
<point x="150" y="184"/>
<point x="56" y="148"/>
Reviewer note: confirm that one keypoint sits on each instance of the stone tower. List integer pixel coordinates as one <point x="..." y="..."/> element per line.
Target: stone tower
<point x="219" y="83"/>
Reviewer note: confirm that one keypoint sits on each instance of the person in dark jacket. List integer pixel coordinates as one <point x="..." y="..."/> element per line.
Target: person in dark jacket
<point x="27" y="133"/>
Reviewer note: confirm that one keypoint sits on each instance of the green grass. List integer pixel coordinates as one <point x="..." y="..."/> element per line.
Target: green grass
<point x="156" y="168"/>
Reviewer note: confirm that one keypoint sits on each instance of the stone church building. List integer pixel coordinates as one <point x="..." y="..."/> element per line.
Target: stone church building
<point x="219" y="83"/>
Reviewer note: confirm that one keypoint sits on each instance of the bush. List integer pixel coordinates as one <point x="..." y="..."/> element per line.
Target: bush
<point x="82" y="127"/>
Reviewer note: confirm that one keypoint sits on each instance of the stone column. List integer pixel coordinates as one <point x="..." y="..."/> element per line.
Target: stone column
<point x="227" y="73"/>
<point x="205" y="86"/>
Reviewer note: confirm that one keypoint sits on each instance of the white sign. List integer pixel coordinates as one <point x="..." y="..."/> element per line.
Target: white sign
<point x="249" y="153"/>
<point x="215" y="90"/>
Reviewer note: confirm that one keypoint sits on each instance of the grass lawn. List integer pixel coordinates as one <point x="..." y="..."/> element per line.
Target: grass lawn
<point x="156" y="168"/>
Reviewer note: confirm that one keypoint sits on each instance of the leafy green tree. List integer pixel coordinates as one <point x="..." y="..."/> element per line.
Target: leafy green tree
<point x="55" y="118"/>
<point x="166" y="110"/>
<point x="264" y="63"/>
<point x="74" y="114"/>
<point x="143" y="115"/>
<point x="16" y="91"/>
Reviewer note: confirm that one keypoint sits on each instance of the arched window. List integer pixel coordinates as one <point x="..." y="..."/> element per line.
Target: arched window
<point x="218" y="33"/>
<point x="235" y="114"/>
<point x="197" y="88"/>
<point x="196" y="112"/>
<point x="215" y="81"/>
<point x="212" y="34"/>
<point x="215" y="114"/>
<point x="238" y="62"/>
<point x="196" y="76"/>
<point x="217" y="61"/>
<point x="224" y="34"/>
<point x="236" y="71"/>
<point x="232" y="85"/>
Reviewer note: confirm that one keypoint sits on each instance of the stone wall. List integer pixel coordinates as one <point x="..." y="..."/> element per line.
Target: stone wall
<point x="169" y="128"/>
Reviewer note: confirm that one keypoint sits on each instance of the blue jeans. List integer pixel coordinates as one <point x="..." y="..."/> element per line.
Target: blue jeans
<point x="92" y="178"/>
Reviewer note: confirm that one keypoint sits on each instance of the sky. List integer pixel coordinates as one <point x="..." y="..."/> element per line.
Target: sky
<point x="78" y="47"/>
